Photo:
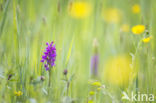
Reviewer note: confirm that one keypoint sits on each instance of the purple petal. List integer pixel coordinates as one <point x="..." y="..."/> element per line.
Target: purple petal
<point x="42" y="60"/>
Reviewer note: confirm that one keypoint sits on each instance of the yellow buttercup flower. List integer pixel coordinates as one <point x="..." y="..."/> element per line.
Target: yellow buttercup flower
<point x="111" y="15"/>
<point x="118" y="71"/>
<point x="90" y="101"/>
<point x="91" y="93"/>
<point x="136" y="9"/>
<point x="138" y="29"/>
<point x="146" y="40"/>
<point x="18" y="93"/>
<point x="96" y="84"/>
<point x="79" y="9"/>
<point x="125" y="28"/>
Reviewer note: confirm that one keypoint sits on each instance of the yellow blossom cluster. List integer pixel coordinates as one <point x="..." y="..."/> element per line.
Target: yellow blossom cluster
<point x="18" y="93"/>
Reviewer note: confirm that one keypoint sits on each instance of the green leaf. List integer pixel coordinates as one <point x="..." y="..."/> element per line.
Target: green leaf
<point x="69" y="51"/>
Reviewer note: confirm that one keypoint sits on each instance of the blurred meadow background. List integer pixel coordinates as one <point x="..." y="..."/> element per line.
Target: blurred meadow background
<point x="104" y="48"/>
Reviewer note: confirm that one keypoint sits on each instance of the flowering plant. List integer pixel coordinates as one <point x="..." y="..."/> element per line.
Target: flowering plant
<point x="49" y="56"/>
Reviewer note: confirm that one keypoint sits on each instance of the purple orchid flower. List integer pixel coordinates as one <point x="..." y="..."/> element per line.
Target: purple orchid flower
<point x="49" y="56"/>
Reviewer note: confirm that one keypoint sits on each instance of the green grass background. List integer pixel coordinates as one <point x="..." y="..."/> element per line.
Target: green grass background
<point x="25" y="27"/>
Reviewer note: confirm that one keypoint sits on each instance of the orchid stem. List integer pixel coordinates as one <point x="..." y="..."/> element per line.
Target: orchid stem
<point x="49" y="78"/>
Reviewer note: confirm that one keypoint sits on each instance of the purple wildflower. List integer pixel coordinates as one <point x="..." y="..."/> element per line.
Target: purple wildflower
<point x="94" y="60"/>
<point x="94" y="64"/>
<point x="49" y="56"/>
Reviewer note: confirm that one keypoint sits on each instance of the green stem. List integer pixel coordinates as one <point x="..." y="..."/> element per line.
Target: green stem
<point x="133" y="65"/>
<point x="49" y="84"/>
<point x="68" y="82"/>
